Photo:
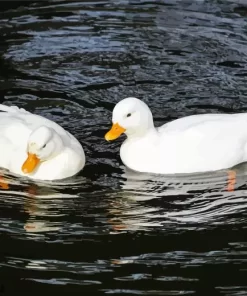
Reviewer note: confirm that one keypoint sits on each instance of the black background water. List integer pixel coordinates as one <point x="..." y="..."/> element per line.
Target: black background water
<point x="107" y="230"/>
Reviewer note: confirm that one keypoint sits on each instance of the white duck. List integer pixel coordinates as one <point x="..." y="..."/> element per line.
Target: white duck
<point x="36" y="147"/>
<point x="196" y="143"/>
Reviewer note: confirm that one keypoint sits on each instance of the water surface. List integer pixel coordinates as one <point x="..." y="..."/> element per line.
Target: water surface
<point x="109" y="230"/>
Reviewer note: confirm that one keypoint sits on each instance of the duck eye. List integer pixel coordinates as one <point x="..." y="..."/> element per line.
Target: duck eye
<point x="44" y="146"/>
<point x="129" y="114"/>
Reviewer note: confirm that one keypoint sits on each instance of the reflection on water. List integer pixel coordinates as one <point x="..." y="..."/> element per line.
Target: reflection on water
<point x="42" y="206"/>
<point x="141" y="201"/>
<point x="69" y="212"/>
<point x="196" y="198"/>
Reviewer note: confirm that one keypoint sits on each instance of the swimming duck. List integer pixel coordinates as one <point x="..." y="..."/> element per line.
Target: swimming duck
<point x="196" y="143"/>
<point x="36" y="147"/>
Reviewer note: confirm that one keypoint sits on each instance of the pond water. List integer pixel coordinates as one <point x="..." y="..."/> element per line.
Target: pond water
<point x="109" y="230"/>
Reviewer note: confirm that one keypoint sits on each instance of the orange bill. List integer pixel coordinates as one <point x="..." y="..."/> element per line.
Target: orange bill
<point x="115" y="132"/>
<point x="30" y="163"/>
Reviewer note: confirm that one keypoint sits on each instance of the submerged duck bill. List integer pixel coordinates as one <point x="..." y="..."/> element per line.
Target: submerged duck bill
<point x="115" y="132"/>
<point x="30" y="163"/>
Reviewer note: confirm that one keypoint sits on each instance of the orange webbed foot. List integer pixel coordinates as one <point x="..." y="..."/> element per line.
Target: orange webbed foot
<point x="4" y="183"/>
<point x="231" y="180"/>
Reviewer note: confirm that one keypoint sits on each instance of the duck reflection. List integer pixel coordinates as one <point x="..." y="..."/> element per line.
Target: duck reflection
<point x="158" y="185"/>
<point x="146" y="200"/>
<point x="47" y="204"/>
<point x="44" y="202"/>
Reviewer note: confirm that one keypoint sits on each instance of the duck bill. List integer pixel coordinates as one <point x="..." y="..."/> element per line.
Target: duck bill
<point x="115" y="132"/>
<point x="30" y="163"/>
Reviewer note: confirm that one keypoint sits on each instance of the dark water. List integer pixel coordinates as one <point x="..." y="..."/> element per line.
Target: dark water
<point x="107" y="230"/>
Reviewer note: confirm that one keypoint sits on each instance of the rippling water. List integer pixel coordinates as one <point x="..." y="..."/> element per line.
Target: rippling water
<point x="109" y="230"/>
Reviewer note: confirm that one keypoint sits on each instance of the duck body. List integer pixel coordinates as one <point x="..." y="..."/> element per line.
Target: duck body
<point x="197" y="143"/>
<point x="18" y="128"/>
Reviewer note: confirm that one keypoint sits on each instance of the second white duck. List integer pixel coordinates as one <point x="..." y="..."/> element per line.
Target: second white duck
<point x="196" y="143"/>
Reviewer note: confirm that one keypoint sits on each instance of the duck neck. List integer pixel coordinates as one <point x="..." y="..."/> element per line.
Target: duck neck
<point x="141" y="133"/>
